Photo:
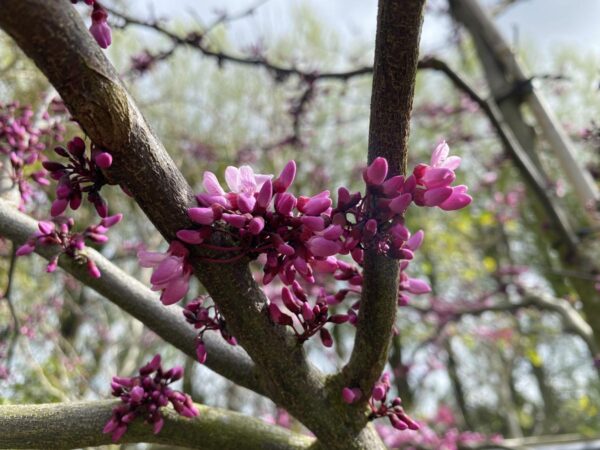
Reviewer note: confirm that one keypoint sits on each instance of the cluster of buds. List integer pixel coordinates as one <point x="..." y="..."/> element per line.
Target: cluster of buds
<point x="81" y="175"/>
<point x="297" y="234"/>
<point x="144" y="395"/>
<point x="58" y="233"/>
<point x="301" y="236"/>
<point x="379" y="405"/>
<point x="206" y="318"/>
<point x="22" y="141"/>
<point x="308" y="319"/>
<point x="99" y="28"/>
<point x="172" y="271"/>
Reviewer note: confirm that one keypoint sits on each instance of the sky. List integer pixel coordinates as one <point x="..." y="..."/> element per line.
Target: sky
<point x="538" y="24"/>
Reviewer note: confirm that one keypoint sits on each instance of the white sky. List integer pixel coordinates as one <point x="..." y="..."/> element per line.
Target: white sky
<point x="543" y="24"/>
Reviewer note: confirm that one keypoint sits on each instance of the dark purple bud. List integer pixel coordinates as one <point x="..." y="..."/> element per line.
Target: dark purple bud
<point x="326" y="338"/>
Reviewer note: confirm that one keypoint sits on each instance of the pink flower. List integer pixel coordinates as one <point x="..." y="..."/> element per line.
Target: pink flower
<point x="458" y="199"/>
<point x="99" y="28"/>
<point x="171" y="273"/>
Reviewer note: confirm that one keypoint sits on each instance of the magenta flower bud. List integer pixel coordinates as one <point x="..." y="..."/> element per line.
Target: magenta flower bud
<point x="375" y="174"/>
<point x="393" y="186"/>
<point x="286" y="178"/>
<point x="76" y="147"/>
<point x="137" y="394"/>
<point x="307" y="312"/>
<point x="371" y="226"/>
<point x="379" y="391"/>
<point x="151" y="366"/>
<point x="298" y="291"/>
<point x="403" y="300"/>
<point x="417" y="286"/>
<point x="412" y="425"/>
<point x="322" y="247"/>
<point x="256" y="225"/>
<point x="235" y="220"/>
<point x="286" y="249"/>
<point x="158" y="425"/>
<point x="350" y="395"/>
<point x="415" y="240"/>
<point x="75" y="200"/>
<point x="111" y="220"/>
<point x="58" y="207"/>
<point x="52" y="265"/>
<point x="246" y="203"/>
<point x="326" y="338"/>
<point x="436" y="196"/>
<point x="265" y="195"/>
<point x="437" y="177"/>
<point x="459" y="199"/>
<point x="101" y="206"/>
<point x="99" y="28"/>
<point x="93" y="269"/>
<point x="52" y="166"/>
<point x="343" y="197"/>
<point x="285" y="203"/>
<point x="289" y="301"/>
<point x="25" y="249"/>
<point x="333" y="232"/>
<point x="201" y="352"/>
<point x="203" y="216"/>
<point x="397" y="423"/>
<point x="103" y="160"/>
<point x="400" y="203"/>
<point x="190" y="236"/>
<point x="409" y="185"/>
<point x="313" y="223"/>
<point x="46" y="227"/>
<point x="358" y="255"/>
<point x="63" y="190"/>
<point x="316" y="205"/>
<point x="175" y="373"/>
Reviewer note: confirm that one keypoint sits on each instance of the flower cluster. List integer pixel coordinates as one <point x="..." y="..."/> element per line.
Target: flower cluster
<point x="22" y="141"/>
<point x="309" y="319"/>
<point x="80" y="175"/>
<point x="299" y="238"/>
<point x="144" y="395"/>
<point x="380" y="407"/>
<point x="58" y="232"/>
<point x="172" y="271"/>
<point x="99" y="28"/>
<point x="204" y="319"/>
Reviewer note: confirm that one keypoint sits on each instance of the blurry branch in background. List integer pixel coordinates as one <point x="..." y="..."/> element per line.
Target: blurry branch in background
<point x="573" y="321"/>
<point x="497" y="56"/>
<point x="79" y="424"/>
<point x="139" y="301"/>
<point x="510" y="89"/>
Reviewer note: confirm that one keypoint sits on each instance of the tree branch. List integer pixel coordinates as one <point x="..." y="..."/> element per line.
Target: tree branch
<point x="396" y="57"/>
<point x="139" y="301"/>
<point x="54" y="37"/>
<point x="76" y="425"/>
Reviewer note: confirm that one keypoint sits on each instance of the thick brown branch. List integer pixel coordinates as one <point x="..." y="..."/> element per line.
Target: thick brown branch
<point x="76" y="425"/>
<point x="54" y="37"/>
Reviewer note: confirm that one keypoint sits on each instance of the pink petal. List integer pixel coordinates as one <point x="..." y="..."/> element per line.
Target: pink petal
<point x="211" y="184"/>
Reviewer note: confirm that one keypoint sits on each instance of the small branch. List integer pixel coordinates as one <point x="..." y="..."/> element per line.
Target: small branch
<point x="76" y="425"/>
<point x="196" y="40"/>
<point x="395" y="68"/>
<point x="139" y="301"/>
